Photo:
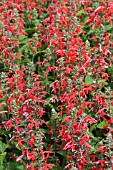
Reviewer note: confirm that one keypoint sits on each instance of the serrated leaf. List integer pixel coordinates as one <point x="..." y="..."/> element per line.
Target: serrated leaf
<point x="88" y="80"/>
<point x="102" y="124"/>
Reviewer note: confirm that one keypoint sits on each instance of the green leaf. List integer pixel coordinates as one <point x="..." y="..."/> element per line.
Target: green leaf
<point x="37" y="22"/>
<point x="48" y="98"/>
<point x="30" y="30"/>
<point x="18" y="147"/>
<point x="93" y="127"/>
<point x="108" y="27"/>
<point x="101" y="81"/>
<point x="85" y="19"/>
<point x="1" y="167"/>
<point x="96" y="31"/>
<point x="56" y="167"/>
<point x="80" y="13"/>
<point x="88" y="80"/>
<point x="14" y="166"/>
<point x="27" y="60"/>
<point x="90" y="32"/>
<point x="2" y="156"/>
<point x="92" y="150"/>
<point x="63" y="152"/>
<point x="47" y="82"/>
<point x="1" y="23"/>
<point x="22" y="49"/>
<point x="24" y="41"/>
<point x="90" y="134"/>
<point x="20" y="167"/>
<point x="102" y="124"/>
<point x="45" y="131"/>
<point x="3" y="147"/>
<point x="22" y="37"/>
<point x="48" y="122"/>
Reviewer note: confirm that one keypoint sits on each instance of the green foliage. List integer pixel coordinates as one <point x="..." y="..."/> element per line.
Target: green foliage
<point x="102" y="124"/>
<point x="2" y="157"/>
<point x="110" y="72"/>
<point x="77" y="106"/>
<point x="80" y="13"/>
<point x="4" y="164"/>
<point x="88" y="80"/>
<point x="108" y="28"/>
<point x="3" y="147"/>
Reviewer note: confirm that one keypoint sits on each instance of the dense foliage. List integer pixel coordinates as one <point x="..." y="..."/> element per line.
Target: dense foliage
<point x="56" y="85"/>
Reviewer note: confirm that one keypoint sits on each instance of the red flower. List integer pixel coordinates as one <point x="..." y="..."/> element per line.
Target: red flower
<point x="31" y="156"/>
<point x="20" y="141"/>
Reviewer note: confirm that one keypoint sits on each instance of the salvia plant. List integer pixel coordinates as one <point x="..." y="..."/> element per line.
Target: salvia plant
<point x="56" y="85"/>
